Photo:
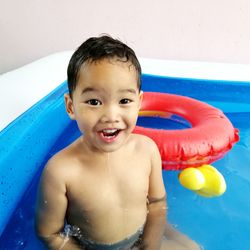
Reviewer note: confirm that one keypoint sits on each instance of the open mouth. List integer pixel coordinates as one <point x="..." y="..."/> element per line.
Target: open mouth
<point x="109" y="134"/>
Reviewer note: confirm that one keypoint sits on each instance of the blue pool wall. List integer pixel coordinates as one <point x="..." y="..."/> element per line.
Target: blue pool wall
<point x="28" y="142"/>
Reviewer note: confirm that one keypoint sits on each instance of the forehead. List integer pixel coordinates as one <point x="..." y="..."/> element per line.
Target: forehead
<point x="108" y="72"/>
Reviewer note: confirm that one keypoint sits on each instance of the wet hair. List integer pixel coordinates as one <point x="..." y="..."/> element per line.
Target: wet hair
<point x="98" y="48"/>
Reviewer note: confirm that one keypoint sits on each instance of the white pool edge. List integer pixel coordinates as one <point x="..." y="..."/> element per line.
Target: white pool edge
<point x="23" y="87"/>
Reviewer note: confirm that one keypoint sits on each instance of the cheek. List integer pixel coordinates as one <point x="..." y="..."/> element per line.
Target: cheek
<point x="85" y="120"/>
<point x="81" y="126"/>
<point x="132" y="117"/>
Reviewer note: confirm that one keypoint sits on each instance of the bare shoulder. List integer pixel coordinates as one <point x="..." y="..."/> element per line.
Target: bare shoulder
<point x="147" y="147"/>
<point x="150" y="151"/>
<point x="145" y="142"/>
<point x="62" y="163"/>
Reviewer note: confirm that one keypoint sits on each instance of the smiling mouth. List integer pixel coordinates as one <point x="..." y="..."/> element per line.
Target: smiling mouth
<point x="109" y="134"/>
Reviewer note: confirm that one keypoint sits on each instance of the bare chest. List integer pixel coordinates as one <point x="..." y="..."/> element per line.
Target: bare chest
<point x="124" y="186"/>
<point x="108" y="201"/>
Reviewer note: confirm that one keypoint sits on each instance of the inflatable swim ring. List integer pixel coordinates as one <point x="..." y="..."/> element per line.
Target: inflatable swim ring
<point x="209" y="139"/>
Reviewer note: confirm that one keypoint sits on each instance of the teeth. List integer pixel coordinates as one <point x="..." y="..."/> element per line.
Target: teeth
<point x="109" y="131"/>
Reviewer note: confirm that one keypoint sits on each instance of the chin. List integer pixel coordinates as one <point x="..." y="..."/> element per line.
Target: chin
<point x="110" y="148"/>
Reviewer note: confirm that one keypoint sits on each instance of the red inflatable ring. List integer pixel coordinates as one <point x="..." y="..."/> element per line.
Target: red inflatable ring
<point x="209" y="139"/>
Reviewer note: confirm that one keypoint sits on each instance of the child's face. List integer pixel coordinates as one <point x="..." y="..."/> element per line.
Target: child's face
<point x="105" y="103"/>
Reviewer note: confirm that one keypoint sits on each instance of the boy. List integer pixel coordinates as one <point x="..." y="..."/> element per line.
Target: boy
<point x="105" y="190"/>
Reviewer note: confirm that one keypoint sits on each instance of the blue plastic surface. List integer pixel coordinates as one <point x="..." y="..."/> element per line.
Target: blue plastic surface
<point x="217" y="223"/>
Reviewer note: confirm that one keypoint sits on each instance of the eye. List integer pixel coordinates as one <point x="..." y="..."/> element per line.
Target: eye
<point x="125" y="101"/>
<point x="93" y="102"/>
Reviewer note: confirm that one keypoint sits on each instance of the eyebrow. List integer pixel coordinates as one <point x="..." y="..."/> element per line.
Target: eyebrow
<point x="88" y="89"/>
<point x="133" y="91"/>
<point x="91" y="89"/>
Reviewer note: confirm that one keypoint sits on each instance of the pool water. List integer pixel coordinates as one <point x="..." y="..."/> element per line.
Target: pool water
<point x="215" y="223"/>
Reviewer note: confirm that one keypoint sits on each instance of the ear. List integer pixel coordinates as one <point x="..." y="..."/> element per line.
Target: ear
<point x="69" y="106"/>
<point x="140" y="98"/>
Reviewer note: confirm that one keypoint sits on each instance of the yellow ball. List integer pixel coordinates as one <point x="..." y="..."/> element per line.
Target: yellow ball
<point x="215" y="184"/>
<point x="192" y="178"/>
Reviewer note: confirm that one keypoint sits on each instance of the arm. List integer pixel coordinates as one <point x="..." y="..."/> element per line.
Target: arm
<point x="158" y="233"/>
<point x="51" y="208"/>
<point x="156" y="218"/>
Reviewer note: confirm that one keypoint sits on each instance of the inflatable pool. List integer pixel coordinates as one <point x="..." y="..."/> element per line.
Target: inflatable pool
<point x="36" y="130"/>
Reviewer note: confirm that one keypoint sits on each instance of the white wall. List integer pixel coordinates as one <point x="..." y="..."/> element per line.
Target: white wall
<point x="200" y="30"/>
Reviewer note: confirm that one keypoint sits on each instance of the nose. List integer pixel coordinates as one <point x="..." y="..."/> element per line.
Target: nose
<point x="111" y="114"/>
